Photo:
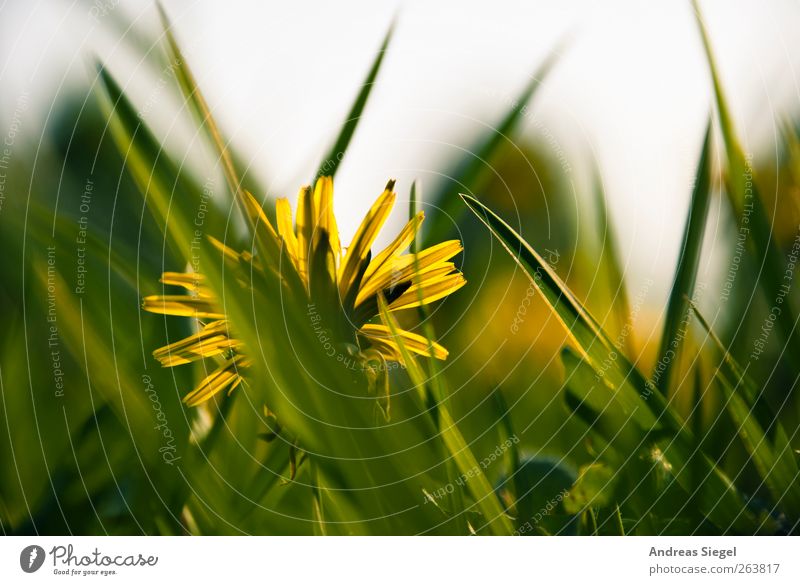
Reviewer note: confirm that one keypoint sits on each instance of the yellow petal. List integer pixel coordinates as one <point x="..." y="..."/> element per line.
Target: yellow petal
<point x="401" y="268"/>
<point x="182" y="306"/>
<point x="192" y="281"/>
<point x="229" y="252"/>
<point x="387" y="348"/>
<point x="257" y="215"/>
<point x="365" y="236"/>
<point x="305" y="229"/>
<point x="212" y="340"/>
<point x="226" y="377"/>
<point x="264" y="235"/>
<point x="428" y="291"/>
<point x="413" y="342"/>
<point x="325" y="218"/>
<point x="400" y="243"/>
<point x="283" y="211"/>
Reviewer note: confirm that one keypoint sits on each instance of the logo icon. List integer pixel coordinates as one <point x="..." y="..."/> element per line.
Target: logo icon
<point x="31" y="558"/>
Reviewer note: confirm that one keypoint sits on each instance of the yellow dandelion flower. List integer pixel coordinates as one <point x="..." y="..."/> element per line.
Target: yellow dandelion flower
<point x="342" y="285"/>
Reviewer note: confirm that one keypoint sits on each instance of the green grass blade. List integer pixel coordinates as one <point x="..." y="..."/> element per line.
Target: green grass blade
<point x="611" y="262"/>
<point x="155" y="175"/>
<point x="486" y="500"/>
<point x="759" y="428"/>
<point x="202" y="112"/>
<point x="332" y="160"/>
<point x="583" y="331"/>
<point x="749" y="207"/>
<point x="636" y="398"/>
<point x="686" y="273"/>
<point x="197" y="102"/>
<point x="713" y="492"/>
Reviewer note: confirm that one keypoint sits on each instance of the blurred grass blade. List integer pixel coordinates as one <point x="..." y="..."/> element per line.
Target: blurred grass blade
<point x="749" y="208"/>
<point x="611" y="262"/>
<point x="438" y="393"/>
<point x="636" y="397"/>
<point x="473" y="170"/>
<point x="714" y="493"/>
<point x="486" y="499"/>
<point x="155" y="174"/>
<point x="675" y="321"/>
<point x="332" y="160"/>
<point x="759" y="429"/>
<point x="582" y="329"/>
<point x="197" y="102"/>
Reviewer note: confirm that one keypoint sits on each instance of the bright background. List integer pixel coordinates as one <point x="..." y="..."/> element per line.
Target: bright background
<point x="630" y="93"/>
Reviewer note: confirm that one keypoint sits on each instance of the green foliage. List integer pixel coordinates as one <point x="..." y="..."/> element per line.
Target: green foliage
<point x="99" y="441"/>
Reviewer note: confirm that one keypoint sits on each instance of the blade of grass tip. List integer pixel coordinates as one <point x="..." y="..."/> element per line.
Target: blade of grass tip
<point x="478" y="485"/>
<point x="586" y="336"/>
<point x="675" y="323"/>
<point x="637" y="397"/>
<point x="263" y="233"/>
<point x="473" y="170"/>
<point x="749" y="207"/>
<point x="198" y="103"/>
<point x="610" y="259"/>
<point x="317" y="504"/>
<point x="759" y="428"/>
<point x="593" y="522"/>
<point x="199" y="108"/>
<point x="618" y="517"/>
<point x="332" y="160"/>
<point x="268" y="246"/>
<point x="196" y="100"/>
<point x="153" y="172"/>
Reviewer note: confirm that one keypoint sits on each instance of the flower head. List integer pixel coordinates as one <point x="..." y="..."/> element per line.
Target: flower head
<point x="342" y="285"/>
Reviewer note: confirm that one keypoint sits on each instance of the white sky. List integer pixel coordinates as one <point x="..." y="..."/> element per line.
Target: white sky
<point x="631" y="91"/>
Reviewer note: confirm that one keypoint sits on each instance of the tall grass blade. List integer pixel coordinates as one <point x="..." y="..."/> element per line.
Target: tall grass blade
<point x="332" y="160"/>
<point x="486" y="500"/>
<point x="610" y="260"/>
<point x="758" y="427"/>
<point x="675" y="322"/>
<point x="748" y="206"/>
